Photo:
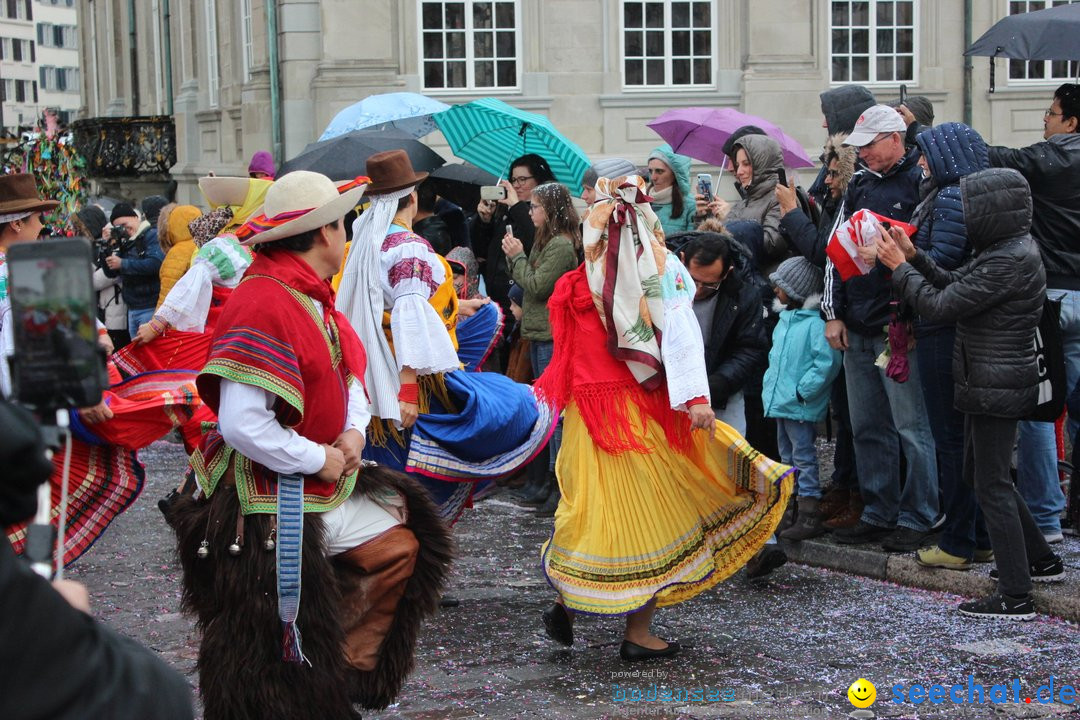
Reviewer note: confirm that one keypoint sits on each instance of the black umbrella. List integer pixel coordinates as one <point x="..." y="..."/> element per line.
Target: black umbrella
<point x="1050" y="34"/>
<point x="345" y="156"/>
<point x="460" y="183"/>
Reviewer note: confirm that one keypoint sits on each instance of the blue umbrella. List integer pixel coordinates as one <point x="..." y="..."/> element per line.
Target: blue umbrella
<point x="490" y="134"/>
<point x="405" y="111"/>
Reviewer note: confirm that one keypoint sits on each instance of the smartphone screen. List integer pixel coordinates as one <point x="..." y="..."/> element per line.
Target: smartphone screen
<point x="781" y="176"/>
<point x="58" y="362"/>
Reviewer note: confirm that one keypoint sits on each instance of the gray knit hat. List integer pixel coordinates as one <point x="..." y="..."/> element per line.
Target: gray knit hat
<point x="609" y="168"/>
<point x="799" y="278"/>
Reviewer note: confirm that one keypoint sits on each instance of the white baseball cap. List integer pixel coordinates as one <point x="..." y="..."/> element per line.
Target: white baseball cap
<point x="875" y="120"/>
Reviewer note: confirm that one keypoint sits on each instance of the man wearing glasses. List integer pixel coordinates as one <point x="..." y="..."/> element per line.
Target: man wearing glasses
<point x="1052" y="169"/>
<point x="886" y="414"/>
<point x="732" y="325"/>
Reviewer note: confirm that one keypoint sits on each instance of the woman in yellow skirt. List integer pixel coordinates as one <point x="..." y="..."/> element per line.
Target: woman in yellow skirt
<point x="660" y="501"/>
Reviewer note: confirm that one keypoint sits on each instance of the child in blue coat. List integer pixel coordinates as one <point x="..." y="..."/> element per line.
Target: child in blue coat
<point x="802" y="367"/>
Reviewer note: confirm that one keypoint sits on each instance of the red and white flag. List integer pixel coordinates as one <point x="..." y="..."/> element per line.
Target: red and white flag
<point x="860" y="230"/>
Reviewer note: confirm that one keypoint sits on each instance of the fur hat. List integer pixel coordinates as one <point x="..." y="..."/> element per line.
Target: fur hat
<point x="298" y="202"/>
<point x="799" y="278"/>
<point x="846" y="157"/>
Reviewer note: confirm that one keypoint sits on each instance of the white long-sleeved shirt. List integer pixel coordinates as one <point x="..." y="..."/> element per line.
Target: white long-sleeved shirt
<point x="248" y="424"/>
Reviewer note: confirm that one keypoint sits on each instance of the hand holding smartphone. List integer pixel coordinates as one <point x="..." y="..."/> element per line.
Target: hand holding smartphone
<point x="58" y="363"/>
<point x="704" y="187"/>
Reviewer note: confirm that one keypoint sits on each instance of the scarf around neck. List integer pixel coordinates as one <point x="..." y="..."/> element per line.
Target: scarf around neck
<point x="289" y="269"/>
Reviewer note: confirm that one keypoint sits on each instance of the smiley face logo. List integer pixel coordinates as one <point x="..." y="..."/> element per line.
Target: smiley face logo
<point x="862" y="693"/>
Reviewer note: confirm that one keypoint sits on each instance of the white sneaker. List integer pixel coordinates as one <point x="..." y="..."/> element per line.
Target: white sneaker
<point x="1053" y="538"/>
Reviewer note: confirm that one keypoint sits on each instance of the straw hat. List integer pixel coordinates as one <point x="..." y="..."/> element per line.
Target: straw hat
<point x="301" y="201"/>
<point x="220" y="191"/>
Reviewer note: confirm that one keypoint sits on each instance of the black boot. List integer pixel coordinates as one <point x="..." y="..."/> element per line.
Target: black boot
<point x="536" y="489"/>
<point x="552" y="503"/>
<point x="809" y="523"/>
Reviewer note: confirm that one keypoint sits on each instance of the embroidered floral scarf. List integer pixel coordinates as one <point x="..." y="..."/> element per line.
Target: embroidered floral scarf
<point x="624" y="264"/>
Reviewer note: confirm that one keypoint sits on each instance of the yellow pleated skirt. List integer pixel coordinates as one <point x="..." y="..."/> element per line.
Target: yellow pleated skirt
<point x="663" y="524"/>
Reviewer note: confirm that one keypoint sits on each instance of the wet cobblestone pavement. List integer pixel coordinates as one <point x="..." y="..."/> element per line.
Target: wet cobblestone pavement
<point x="787" y="647"/>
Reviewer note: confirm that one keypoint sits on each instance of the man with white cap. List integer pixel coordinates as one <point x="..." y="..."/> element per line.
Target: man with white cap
<point x="885" y="413"/>
<point x="283" y="469"/>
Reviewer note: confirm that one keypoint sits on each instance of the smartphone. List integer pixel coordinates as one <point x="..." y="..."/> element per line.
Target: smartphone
<point x="704" y="186"/>
<point x="781" y="176"/>
<point x="903" y="94"/>
<point x="58" y="362"/>
<point x="492" y="192"/>
<point x="509" y="229"/>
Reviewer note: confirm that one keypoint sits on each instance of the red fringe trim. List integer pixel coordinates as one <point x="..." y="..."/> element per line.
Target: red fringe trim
<point x="605" y="410"/>
<point x="604" y="405"/>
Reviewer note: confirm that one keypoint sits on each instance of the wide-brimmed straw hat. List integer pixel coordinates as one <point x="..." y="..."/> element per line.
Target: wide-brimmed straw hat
<point x="220" y="191"/>
<point x="300" y="201"/>
<point x="391" y="171"/>
<point x="18" y="193"/>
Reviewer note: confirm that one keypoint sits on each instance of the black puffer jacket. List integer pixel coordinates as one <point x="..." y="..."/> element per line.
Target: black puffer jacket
<point x="995" y="299"/>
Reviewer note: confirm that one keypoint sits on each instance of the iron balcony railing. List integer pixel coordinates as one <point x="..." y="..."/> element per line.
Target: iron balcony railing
<point x="126" y="146"/>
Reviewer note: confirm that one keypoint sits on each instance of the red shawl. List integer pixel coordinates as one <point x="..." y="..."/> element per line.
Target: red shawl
<point x="584" y="371"/>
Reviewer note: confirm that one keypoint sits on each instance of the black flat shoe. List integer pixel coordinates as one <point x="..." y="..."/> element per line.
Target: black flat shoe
<point x="558" y="625"/>
<point x="632" y="652"/>
<point x="448" y="601"/>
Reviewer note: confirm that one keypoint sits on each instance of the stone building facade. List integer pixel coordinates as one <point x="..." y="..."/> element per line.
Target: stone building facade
<point x="600" y="69"/>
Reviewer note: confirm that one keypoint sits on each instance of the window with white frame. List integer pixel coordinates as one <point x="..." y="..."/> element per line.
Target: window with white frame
<point x="469" y="45"/>
<point x="246" y="50"/>
<point x="873" y="41"/>
<point x="1041" y="70"/>
<point x="213" y="84"/>
<point x="668" y="43"/>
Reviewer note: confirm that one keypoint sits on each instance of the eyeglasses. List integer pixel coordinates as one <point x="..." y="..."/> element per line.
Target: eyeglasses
<point x="1051" y="113"/>
<point x="705" y="288"/>
<point x="833" y="173"/>
<point x="534" y="206"/>
<point x="520" y="179"/>
<point x="876" y="140"/>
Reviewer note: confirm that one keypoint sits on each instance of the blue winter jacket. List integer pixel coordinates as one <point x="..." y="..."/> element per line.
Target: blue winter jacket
<point x="802" y="366"/>
<point x="952" y="150"/>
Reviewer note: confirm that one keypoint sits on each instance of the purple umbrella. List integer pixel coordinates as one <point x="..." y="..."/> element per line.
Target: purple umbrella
<point x="700" y="132"/>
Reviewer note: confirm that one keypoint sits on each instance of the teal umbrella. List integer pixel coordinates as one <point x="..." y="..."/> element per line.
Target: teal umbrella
<point x="491" y="134"/>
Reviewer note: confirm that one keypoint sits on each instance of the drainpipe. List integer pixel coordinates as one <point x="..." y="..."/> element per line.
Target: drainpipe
<point x="167" y="19"/>
<point x="275" y="86"/>
<point x="967" y="62"/>
<point x="134" y="59"/>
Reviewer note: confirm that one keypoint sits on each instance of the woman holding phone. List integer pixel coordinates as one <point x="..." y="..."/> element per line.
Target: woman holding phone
<point x="759" y="162"/>
<point x="493" y="217"/>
